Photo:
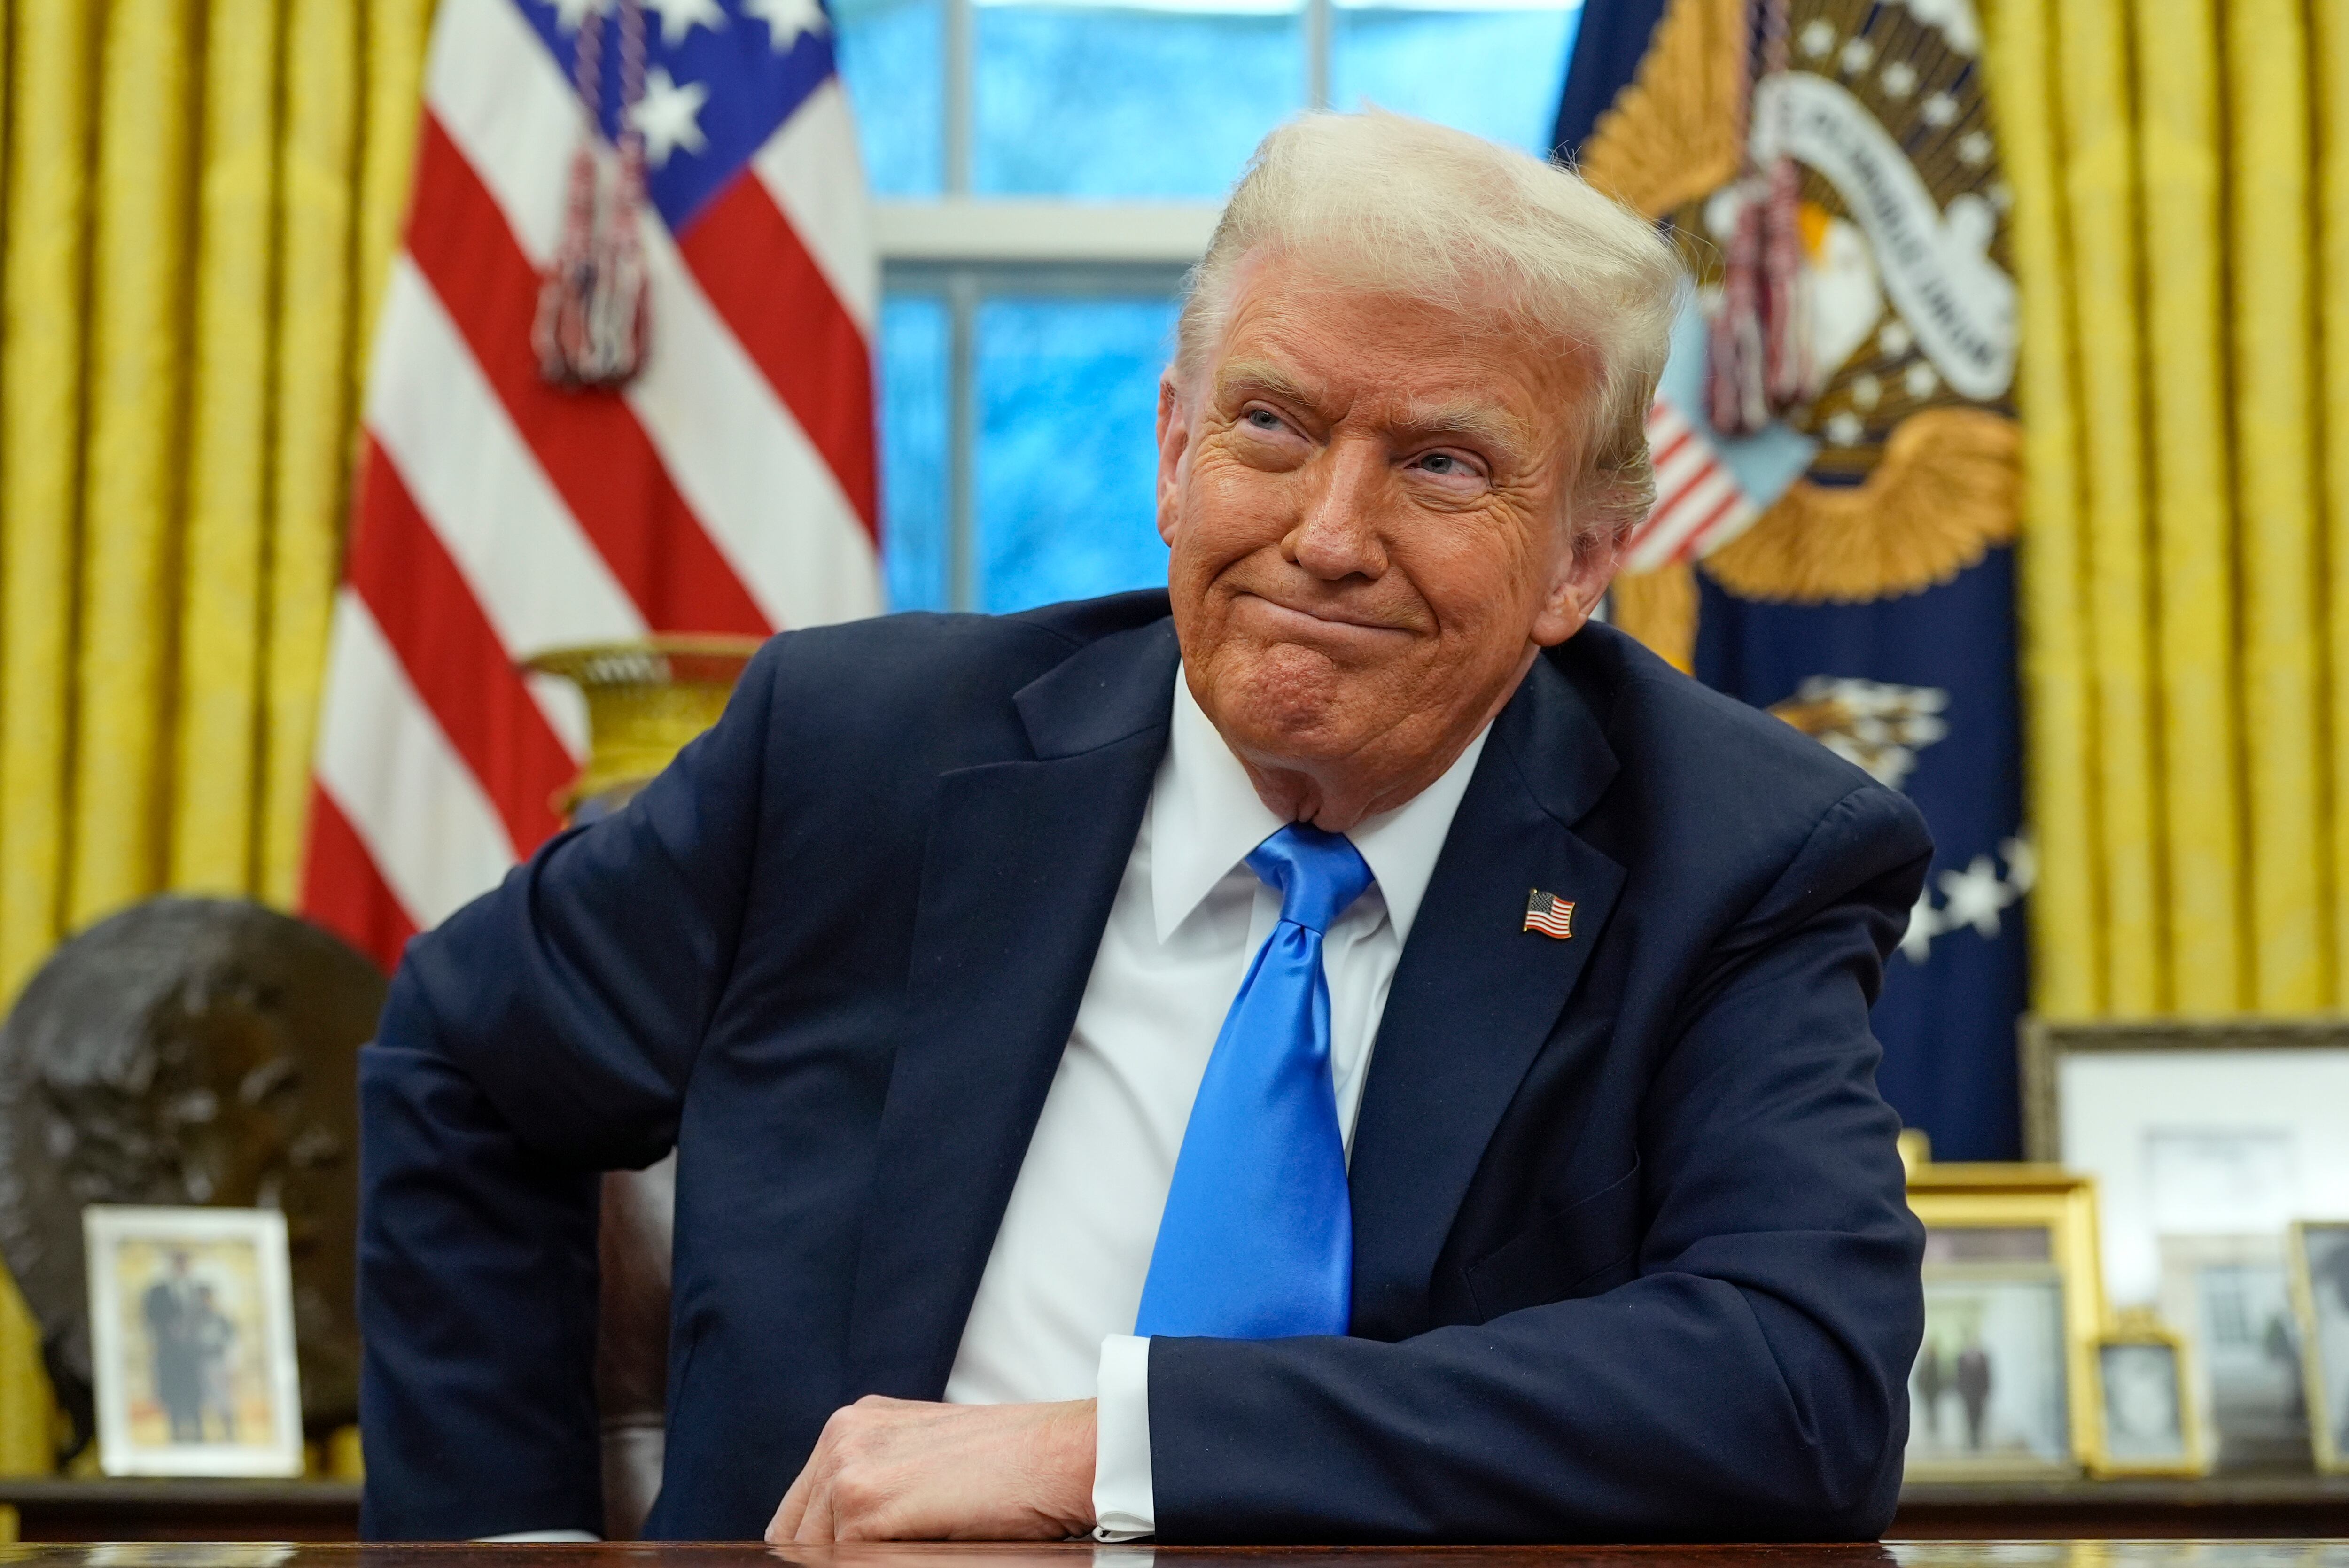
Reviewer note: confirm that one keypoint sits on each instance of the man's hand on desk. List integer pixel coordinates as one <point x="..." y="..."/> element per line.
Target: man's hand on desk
<point x="906" y="1470"/>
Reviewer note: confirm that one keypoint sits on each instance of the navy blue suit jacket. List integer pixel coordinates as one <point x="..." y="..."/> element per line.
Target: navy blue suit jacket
<point x="1631" y="1257"/>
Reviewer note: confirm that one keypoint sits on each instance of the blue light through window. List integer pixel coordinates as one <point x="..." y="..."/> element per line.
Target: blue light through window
<point x="1495" y="73"/>
<point x="1082" y="101"/>
<point x="892" y="57"/>
<point x="914" y="341"/>
<point x="1067" y="448"/>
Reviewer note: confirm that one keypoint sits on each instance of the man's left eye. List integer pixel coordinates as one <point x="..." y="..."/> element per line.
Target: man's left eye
<point x="1447" y="464"/>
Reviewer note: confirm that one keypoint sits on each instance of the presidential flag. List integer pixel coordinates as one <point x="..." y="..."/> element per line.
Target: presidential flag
<point x="622" y="385"/>
<point x="1837" y="458"/>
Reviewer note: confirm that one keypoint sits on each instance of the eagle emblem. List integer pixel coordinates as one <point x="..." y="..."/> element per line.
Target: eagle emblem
<point x="1835" y="426"/>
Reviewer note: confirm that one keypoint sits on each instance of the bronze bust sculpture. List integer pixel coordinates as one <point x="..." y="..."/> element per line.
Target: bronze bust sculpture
<point x="189" y="1050"/>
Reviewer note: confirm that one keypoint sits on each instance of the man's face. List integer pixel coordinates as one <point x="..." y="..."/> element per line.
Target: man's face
<point x="1365" y="498"/>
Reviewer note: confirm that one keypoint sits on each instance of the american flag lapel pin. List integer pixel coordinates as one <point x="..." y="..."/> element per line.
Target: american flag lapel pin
<point x="1549" y="914"/>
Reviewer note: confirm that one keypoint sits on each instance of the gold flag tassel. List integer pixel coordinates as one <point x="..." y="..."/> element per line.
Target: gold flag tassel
<point x="591" y="328"/>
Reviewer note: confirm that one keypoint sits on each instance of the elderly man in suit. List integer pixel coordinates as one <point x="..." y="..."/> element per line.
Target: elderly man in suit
<point x="1341" y="1050"/>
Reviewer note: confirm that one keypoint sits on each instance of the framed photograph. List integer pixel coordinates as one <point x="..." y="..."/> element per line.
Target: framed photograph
<point x="2005" y="1381"/>
<point x="2317" y="1259"/>
<point x="2221" y="1128"/>
<point x="192" y="1342"/>
<point x="2146" y="1402"/>
<point x="2231" y="1296"/>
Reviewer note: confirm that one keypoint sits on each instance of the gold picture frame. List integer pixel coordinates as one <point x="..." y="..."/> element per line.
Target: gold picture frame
<point x="2149" y="1423"/>
<point x="2324" y="1316"/>
<point x="2014" y="1308"/>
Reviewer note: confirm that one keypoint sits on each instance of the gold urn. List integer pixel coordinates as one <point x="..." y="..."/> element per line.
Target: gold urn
<point x="645" y="700"/>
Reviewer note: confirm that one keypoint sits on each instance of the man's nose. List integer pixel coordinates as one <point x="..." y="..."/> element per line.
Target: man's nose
<point x="1336" y="534"/>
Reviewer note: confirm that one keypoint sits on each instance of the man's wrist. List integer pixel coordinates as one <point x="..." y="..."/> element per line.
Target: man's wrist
<point x="1074" y="1445"/>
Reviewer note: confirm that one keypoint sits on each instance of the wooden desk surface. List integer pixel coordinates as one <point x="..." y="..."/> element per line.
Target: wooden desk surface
<point x="2215" y="1508"/>
<point x="2271" y="1554"/>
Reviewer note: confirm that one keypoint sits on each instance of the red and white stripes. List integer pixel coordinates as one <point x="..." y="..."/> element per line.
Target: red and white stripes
<point x="1700" y="505"/>
<point x="731" y="488"/>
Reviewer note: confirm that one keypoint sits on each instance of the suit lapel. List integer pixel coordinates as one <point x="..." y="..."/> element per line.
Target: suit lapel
<point x="1023" y="862"/>
<point x="1476" y="995"/>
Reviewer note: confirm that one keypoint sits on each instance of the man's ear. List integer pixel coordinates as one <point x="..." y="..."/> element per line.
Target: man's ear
<point x="1590" y="564"/>
<point x="1174" y="443"/>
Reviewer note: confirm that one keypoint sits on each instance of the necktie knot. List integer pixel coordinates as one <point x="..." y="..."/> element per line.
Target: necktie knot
<point x="1320" y="874"/>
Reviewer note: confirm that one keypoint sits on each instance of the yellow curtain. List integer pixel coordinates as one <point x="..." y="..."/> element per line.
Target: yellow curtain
<point x="2181" y="179"/>
<point x="199" y="200"/>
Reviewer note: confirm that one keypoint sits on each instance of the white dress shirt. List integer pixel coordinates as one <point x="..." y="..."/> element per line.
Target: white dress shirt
<point x="1054" y="1315"/>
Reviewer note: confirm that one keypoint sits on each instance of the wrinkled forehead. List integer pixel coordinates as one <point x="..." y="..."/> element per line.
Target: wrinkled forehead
<point x="1347" y="342"/>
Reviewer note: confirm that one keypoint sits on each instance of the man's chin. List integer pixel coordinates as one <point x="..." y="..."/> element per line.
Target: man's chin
<point x="1287" y="705"/>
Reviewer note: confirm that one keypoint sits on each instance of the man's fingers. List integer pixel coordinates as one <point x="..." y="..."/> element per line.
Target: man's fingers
<point x="816" y="1522"/>
<point x="888" y="1469"/>
<point x="784" y="1527"/>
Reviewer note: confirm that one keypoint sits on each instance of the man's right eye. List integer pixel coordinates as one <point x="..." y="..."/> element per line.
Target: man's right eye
<point x="1262" y="420"/>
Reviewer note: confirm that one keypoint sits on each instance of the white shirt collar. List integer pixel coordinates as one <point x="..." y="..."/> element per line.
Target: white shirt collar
<point x="1204" y="818"/>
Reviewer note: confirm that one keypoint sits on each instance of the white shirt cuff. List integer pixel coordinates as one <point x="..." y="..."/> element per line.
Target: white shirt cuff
<point x="1123" y="1505"/>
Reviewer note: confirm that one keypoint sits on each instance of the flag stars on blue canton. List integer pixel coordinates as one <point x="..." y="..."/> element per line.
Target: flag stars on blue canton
<point x="719" y="78"/>
<point x="680" y="17"/>
<point x="786" y="20"/>
<point x="668" y="116"/>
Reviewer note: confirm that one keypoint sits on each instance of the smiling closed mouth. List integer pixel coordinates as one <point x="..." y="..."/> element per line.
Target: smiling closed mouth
<point x="1329" y="616"/>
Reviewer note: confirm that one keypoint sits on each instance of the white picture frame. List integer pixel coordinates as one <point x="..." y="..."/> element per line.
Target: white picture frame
<point x="192" y="1342"/>
<point x="2228" y="1129"/>
<point x="2229" y="1298"/>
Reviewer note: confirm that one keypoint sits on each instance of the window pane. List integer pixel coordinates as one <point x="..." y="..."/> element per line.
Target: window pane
<point x="892" y="57"/>
<point x="1068" y="454"/>
<point x="1094" y="101"/>
<point x="1494" y="72"/>
<point x="915" y="344"/>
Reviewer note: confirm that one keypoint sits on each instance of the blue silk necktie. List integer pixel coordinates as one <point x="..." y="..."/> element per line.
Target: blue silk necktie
<point x="1257" y="1238"/>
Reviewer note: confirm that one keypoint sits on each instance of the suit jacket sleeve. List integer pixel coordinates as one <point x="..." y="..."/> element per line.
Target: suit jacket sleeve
<point x="541" y="1035"/>
<point x="1750" y="1383"/>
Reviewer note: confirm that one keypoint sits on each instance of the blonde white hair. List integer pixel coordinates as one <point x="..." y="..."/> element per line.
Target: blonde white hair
<point x="1395" y="204"/>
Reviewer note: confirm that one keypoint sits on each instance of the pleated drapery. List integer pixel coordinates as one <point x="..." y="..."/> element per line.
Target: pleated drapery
<point x="2181" y="230"/>
<point x="198" y="200"/>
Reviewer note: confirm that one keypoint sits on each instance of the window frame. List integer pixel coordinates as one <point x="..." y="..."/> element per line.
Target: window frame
<point x="961" y="281"/>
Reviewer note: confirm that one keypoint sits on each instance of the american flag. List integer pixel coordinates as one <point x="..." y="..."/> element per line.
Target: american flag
<point x="728" y="488"/>
<point x="1548" y="913"/>
<point x="1699" y="506"/>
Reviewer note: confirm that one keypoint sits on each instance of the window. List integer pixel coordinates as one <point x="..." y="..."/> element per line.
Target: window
<point x="1045" y="172"/>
